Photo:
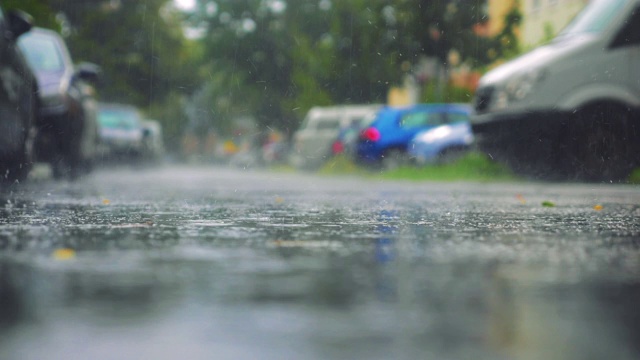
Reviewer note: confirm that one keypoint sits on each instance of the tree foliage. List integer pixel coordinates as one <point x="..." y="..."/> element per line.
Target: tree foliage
<point x="506" y="41"/>
<point x="276" y="58"/>
<point x="43" y="15"/>
<point x="139" y="44"/>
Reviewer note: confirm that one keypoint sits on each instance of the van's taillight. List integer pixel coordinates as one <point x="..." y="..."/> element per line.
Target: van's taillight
<point x="371" y="134"/>
<point x="337" y="147"/>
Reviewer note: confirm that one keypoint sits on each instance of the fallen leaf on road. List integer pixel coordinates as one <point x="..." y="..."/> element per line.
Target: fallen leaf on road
<point x="64" y="254"/>
<point x="548" y="204"/>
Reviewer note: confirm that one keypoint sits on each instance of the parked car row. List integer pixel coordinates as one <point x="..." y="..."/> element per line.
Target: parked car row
<point x="66" y="121"/>
<point x="567" y="110"/>
<point x="314" y="142"/>
<point x="49" y="111"/>
<point x="383" y="136"/>
<point x="400" y="135"/>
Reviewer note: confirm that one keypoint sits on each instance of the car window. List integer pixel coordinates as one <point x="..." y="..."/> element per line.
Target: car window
<point x="355" y="121"/>
<point x="113" y="118"/>
<point x="418" y="119"/>
<point x="630" y="33"/>
<point x="457" y="117"/>
<point x="369" y="118"/>
<point x="42" y="53"/>
<point x="327" y="123"/>
<point x="595" y="19"/>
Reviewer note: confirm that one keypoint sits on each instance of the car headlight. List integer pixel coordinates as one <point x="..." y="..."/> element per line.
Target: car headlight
<point x="518" y="88"/>
<point x="502" y="100"/>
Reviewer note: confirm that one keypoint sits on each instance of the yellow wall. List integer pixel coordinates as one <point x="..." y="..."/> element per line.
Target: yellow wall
<point x="539" y="14"/>
<point x="536" y="16"/>
<point x="498" y="9"/>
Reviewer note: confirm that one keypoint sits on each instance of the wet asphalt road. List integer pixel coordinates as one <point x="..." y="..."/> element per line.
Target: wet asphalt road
<point x="185" y="262"/>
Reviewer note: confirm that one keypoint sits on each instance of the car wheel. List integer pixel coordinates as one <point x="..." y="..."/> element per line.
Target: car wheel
<point x="602" y="141"/>
<point x="393" y="159"/>
<point x="70" y="162"/>
<point x="18" y="167"/>
<point x="67" y="167"/>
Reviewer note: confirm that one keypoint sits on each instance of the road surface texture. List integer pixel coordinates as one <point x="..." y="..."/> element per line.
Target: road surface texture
<point x="182" y="262"/>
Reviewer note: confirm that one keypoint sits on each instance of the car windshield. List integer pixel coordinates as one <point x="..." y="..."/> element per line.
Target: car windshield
<point x="117" y="118"/>
<point x="42" y="53"/>
<point x="595" y="18"/>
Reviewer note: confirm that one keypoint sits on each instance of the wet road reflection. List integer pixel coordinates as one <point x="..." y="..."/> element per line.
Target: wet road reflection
<point x="216" y="263"/>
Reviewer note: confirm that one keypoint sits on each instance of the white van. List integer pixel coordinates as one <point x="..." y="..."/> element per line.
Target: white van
<point x="569" y="109"/>
<point x="319" y="129"/>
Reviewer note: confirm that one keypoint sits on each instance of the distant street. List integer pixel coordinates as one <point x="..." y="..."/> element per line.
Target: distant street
<point x="201" y="262"/>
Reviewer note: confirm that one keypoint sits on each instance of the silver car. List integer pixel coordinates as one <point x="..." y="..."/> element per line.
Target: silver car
<point x="320" y="128"/>
<point x="121" y="132"/>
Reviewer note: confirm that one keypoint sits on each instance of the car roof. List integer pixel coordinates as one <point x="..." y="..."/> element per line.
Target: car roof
<point x="36" y="32"/>
<point x="43" y="31"/>
<point x="431" y="107"/>
<point x="46" y="33"/>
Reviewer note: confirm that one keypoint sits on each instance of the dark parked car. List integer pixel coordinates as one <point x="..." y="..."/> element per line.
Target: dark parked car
<point x="18" y="102"/>
<point x="121" y="132"/>
<point x="67" y="128"/>
<point x="385" y="141"/>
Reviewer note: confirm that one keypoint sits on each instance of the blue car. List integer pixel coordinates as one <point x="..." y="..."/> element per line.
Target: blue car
<point x="386" y="140"/>
<point x="441" y="144"/>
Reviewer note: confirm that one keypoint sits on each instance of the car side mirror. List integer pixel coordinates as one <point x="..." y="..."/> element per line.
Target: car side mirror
<point x="88" y="72"/>
<point x="19" y="23"/>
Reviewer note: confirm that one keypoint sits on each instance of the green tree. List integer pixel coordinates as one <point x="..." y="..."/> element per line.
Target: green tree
<point x="506" y="43"/>
<point x="275" y="58"/>
<point x="140" y="46"/>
